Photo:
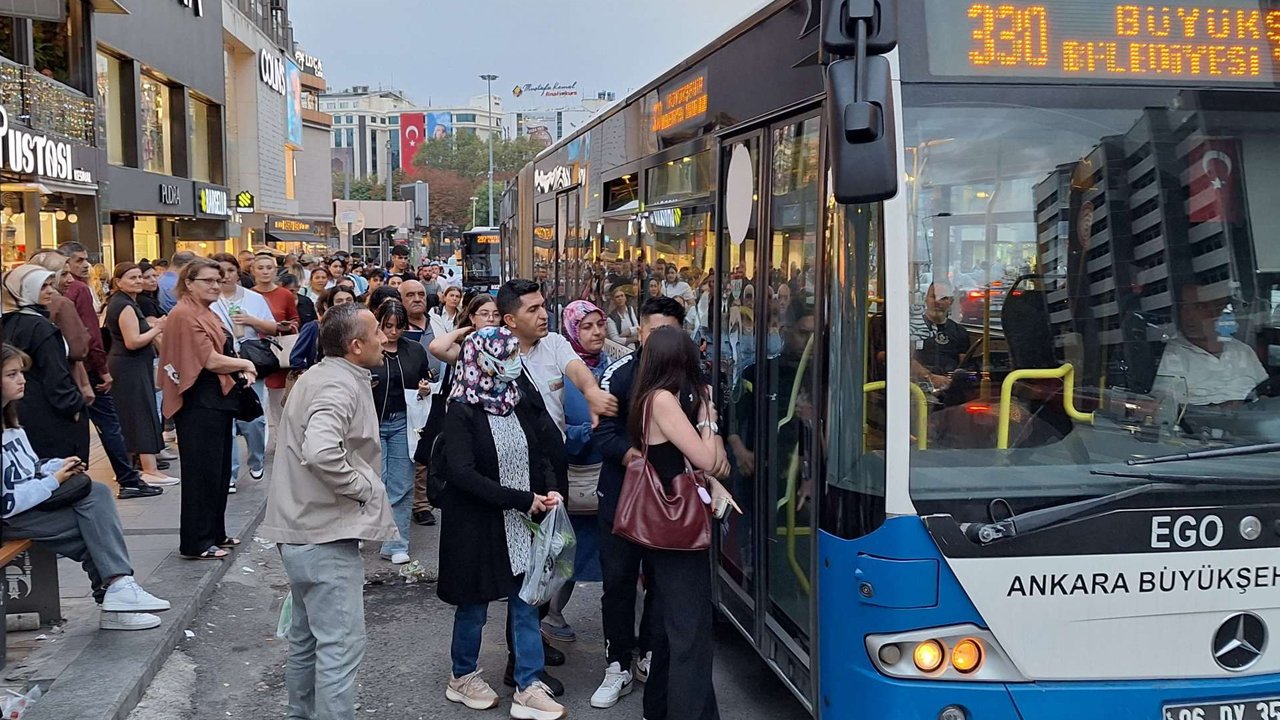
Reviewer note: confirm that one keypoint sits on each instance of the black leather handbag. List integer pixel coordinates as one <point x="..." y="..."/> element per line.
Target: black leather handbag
<point x="75" y="489"/>
<point x="248" y="404"/>
<point x="261" y="352"/>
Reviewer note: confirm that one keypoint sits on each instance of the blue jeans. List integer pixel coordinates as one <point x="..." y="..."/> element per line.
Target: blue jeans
<point x="397" y="475"/>
<point x="468" y="628"/>
<point x="255" y="437"/>
<point x="103" y="414"/>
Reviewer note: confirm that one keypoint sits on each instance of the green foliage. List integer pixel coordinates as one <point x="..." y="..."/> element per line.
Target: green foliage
<point x="369" y="187"/>
<point x="468" y="155"/>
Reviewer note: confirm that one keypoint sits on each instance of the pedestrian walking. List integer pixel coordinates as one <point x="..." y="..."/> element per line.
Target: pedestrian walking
<point x="198" y="370"/>
<point x="674" y="423"/>
<point x="584" y="325"/>
<point x="399" y="380"/>
<point x="54" y="409"/>
<point x="102" y="411"/>
<point x="132" y="364"/>
<point x="498" y="471"/>
<point x="52" y="502"/>
<point x="324" y="498"/>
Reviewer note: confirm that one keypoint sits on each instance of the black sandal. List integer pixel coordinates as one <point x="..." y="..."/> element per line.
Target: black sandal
<point x="211" y="554"/>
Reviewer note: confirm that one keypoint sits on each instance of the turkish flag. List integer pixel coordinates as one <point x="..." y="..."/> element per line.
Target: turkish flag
<point x="1213" y="181"/>
<point x="412" y="134"/>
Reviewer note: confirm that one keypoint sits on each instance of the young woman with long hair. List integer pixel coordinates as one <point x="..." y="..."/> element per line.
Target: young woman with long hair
<point x="675" y="419"/>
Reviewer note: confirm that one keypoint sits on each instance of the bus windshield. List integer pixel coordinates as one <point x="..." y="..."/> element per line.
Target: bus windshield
<point x="1096" y="279"/>
<point x="481" y="256"/>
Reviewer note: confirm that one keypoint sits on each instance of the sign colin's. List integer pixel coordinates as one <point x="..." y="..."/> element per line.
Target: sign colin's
<point x="23" y="151"/>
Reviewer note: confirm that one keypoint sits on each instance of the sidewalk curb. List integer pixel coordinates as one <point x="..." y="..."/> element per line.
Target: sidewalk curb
<point x="108" y="679"/>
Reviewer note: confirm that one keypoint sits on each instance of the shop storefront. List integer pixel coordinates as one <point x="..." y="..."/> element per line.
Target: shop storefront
<point x="48" y="191"/>
<point x="154" y="216"/>
<point x="297" y="236"/>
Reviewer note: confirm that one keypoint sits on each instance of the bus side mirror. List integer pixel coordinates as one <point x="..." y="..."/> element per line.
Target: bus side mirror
<point x="861" y="133"/>
<point x="840" y="20"/>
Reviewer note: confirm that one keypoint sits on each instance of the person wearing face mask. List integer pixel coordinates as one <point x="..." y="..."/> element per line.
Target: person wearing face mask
<point x="52" y="408"/>
<point x="402" y="376"/>
<point x="498" y="471"/>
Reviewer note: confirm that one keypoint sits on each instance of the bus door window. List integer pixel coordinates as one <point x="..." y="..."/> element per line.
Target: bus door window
<point x="785" y="377"/>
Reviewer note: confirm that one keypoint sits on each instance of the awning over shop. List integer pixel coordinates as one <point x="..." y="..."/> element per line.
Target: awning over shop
<point x="298" y="237"/>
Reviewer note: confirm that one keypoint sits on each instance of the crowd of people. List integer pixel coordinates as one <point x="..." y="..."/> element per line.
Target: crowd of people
<point x="394" y="395"/>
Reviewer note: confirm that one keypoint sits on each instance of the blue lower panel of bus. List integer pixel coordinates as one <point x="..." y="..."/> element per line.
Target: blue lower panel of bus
<point x="895" y="580"/>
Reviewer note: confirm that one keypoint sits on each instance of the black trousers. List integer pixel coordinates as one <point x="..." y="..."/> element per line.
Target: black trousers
<point x="680" y="685"/>
<point x="204" y="449"/>
<point x="620" y="563"/>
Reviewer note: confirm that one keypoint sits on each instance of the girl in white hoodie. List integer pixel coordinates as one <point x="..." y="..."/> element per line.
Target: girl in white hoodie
<point x="87" y="530"/>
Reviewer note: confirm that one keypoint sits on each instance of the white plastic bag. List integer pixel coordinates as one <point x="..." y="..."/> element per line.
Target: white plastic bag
<point x="286" y="617"/>
<point x="418" y="410"/>
<point x="550" y="557"/>
<point x="15" y="705"/>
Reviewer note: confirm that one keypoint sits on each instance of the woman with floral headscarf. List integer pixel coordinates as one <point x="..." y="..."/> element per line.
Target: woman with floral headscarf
<point x="52" y="409"/>
<point x="498" y="473"/>
<point x="585" y="325"/>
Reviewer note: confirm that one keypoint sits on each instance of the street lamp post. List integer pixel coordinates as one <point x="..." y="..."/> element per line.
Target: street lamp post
<point x="473" y="210"/>
<point x="488" y="79"/>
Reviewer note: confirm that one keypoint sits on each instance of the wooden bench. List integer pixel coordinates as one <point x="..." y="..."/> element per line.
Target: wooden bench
<point x="30" y="583"/>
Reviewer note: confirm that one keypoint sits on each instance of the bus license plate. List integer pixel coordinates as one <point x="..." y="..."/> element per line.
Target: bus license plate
<point x="1256" y="709"/>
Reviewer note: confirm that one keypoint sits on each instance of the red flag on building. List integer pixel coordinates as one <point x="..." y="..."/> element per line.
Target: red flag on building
<point x="412" y="135"/>
<point x="1213" y="181"/>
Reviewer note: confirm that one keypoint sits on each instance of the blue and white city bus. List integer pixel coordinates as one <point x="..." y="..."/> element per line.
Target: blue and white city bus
<point x="992" y="294"/>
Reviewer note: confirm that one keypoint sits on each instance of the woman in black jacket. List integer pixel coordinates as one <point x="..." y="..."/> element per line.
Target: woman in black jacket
<point x="404" y="368"/>
<point x="498" y="473"/>
<point x="52" y="409"/>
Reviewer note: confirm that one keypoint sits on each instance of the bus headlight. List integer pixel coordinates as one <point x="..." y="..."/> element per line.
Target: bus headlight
<point x="956" y="652"/>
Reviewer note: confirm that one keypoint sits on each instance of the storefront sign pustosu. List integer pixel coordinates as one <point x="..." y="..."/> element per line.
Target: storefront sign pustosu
<point x="309" y="64"/>
<point x="170" y="194"/>
<point x="212" y="201"/>
<point x="31" y="154"/>
<point x="244" y="202"/>
<point x="271" y="70"/>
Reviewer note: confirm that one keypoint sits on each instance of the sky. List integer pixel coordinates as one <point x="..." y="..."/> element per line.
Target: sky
<point x="435" y="50"/>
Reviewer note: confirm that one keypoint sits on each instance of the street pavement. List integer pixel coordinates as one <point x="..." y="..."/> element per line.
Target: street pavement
<point x="230" y="664"/>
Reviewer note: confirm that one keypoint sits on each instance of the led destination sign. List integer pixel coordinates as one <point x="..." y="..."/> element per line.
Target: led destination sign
<point x="1212" y="41"/>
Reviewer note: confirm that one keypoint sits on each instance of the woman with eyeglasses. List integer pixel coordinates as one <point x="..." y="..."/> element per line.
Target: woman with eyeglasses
<point x="402" y="378"/>
<point x="198" y="371"/>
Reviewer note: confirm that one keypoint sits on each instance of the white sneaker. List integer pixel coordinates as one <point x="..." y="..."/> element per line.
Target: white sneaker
<point x="231" y="489"/>
<point x="617" y="683"/>
<point x="257" y="474"/>
<point x="535" y="703"/>
<point x="642" y="667"/>
<point x="127" y="621"/>
<point x="126" y="596"/>
<point x="160" y="480"/>
<point x="167" y="455"/>
<point x="400" y="558"/>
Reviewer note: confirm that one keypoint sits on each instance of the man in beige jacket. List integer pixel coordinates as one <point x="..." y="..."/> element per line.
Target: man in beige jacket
<point x="325" y="497"/>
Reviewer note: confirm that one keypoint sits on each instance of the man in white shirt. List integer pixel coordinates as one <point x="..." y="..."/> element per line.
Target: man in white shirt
<point x="548" y="359"/>
<point x="1216" y="370"/>
<point x="674" y="287"/>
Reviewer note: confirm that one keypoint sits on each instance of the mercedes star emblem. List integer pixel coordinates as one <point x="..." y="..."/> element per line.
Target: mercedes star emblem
<point x="1239" y="642"/>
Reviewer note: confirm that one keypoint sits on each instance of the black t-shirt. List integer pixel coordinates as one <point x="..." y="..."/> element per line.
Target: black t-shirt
<point x="941" y="346"/>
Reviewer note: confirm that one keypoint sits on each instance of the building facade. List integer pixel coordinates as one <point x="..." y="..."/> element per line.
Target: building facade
<point x="159" y="83"/>
<point x="51" y="159"/>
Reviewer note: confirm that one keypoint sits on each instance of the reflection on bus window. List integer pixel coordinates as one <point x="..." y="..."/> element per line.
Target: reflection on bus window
<point x="1093" y="284"/>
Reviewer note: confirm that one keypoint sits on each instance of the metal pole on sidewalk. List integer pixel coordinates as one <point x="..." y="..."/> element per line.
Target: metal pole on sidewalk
<point x="489" y="190"/>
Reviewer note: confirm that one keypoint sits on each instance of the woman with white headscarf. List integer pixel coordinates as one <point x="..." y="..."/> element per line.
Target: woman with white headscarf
<point x="52" y="409"/>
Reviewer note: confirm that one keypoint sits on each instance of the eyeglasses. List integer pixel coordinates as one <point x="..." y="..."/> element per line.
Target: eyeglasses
<point x="487" y="314"/>
<point x="215" y="281"/>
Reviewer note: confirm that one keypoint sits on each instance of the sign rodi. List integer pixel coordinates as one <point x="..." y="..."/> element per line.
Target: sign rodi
<point x="271" y="70"/>
<point x="25" y="152"/>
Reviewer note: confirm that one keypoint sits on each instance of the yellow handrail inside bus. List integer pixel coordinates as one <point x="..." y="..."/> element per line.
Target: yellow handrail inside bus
<point x="1067" y="373"/>
<point x="922" y="410"/>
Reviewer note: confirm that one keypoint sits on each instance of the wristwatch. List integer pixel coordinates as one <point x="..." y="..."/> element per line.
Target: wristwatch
<point x="708" y="424"/>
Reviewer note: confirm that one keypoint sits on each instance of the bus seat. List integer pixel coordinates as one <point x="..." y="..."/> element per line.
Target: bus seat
<point x="1025" y="320"/>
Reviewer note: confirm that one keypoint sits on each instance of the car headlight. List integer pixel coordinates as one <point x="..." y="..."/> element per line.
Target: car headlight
<point x="956" y="652"/>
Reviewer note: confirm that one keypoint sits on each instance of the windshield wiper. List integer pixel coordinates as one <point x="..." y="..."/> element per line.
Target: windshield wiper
<point x="1238" y="451"/>
<point x="1021" y="523"/>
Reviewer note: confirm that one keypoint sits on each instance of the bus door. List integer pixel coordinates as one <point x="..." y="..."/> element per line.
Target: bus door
<point x="768" y="342"/>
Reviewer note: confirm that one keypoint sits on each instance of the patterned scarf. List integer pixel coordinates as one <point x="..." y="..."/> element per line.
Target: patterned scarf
<point x="573" y="316"/>
<point x="476" y="381"/>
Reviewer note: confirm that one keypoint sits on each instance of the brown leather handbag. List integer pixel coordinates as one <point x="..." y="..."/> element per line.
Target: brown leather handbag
<point x="648" y="516"/>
